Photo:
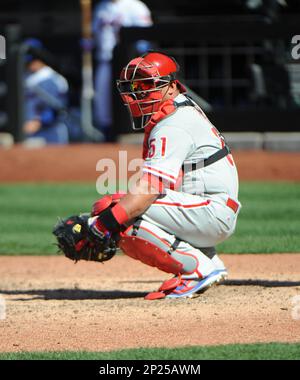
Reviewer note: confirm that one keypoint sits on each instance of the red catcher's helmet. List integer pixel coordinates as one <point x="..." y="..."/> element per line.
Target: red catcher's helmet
<point x="140" y="84"/>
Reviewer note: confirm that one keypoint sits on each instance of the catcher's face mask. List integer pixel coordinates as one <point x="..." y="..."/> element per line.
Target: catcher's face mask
<point x="141" y="85"/>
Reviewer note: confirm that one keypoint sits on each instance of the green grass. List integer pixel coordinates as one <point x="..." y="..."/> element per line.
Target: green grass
<point x="267" y="351"/>
<point x="268" y="222"/>
<point x="29" y="211"/>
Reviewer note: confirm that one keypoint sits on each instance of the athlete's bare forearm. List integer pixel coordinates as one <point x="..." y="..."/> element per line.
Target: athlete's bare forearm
<point x="139" y="199"/>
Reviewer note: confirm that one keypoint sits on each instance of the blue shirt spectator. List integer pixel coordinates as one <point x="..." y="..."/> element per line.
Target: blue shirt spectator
<point x="46" y="98"/>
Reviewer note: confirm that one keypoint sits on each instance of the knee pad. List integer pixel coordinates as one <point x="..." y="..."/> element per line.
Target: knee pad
<point x="151" y="245"/>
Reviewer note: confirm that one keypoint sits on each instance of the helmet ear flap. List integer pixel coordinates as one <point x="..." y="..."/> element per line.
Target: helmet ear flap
<point x="176" y="63"/>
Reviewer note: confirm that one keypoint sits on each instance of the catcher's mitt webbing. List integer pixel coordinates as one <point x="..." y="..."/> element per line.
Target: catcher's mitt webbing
<point x="77" y="242"/>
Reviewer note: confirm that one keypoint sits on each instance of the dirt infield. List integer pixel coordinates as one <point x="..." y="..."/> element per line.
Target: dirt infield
<point x="78" y="163"/>
<point x="52" y="304"/>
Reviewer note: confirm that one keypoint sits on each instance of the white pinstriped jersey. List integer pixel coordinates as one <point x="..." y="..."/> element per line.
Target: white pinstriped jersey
<point x="182" y="138"/>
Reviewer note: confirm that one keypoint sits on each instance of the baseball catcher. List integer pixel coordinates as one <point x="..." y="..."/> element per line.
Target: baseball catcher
<point x="186" y="201"/>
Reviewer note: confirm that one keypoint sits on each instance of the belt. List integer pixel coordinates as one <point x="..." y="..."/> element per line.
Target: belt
<point x="233" y="205"/>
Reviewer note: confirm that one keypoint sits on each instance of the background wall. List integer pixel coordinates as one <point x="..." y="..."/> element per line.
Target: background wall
<point x="217" y="43"/>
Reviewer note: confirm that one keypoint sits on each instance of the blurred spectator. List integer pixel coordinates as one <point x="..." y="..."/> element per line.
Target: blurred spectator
<point x="270" y="82"/>
<point x="45" y="98"/>
<point x="270" y="9"/>
<point x="109" y="17"/>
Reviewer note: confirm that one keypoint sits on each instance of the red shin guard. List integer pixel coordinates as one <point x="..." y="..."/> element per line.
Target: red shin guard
<point x="148" y="253"/>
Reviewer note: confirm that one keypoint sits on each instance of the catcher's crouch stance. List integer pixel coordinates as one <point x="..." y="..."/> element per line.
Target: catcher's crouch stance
<point x="186" y="201"/>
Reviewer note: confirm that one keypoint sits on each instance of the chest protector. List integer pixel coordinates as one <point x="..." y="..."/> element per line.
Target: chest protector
<point x="168" y="108"/>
